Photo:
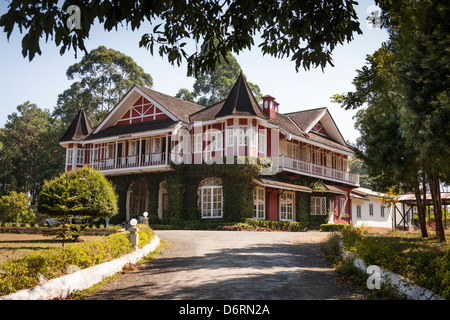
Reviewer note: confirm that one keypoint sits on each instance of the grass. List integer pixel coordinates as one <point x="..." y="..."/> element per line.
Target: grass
<point x="48" y="259"/>
<point x="426" y="261"/>
<point x="14" y="246"/>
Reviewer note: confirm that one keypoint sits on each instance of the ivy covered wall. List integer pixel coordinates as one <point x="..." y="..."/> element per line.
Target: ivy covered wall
<point x="182" y="190"/>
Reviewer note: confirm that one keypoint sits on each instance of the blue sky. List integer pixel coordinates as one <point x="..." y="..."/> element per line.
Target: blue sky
<point x="41" y="80"/>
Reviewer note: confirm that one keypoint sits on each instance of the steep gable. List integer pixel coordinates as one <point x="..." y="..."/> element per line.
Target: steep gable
<point x="78" y="129"/>
<point x="142" y="104"/>
<point x="241" y="101"/>
<point x="318" y="122"/>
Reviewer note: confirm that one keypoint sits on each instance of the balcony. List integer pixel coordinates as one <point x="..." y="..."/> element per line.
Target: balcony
<point x="313" y="170"/>
<point x="128" y="164"/>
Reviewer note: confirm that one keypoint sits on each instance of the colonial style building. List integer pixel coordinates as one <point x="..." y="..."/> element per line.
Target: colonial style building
<point x="179" y="160"/>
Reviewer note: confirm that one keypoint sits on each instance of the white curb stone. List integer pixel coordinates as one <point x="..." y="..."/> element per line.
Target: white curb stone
<point x="63" y="286"/>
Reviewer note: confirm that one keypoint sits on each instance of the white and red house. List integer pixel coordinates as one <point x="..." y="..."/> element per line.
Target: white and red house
<point x="148" y="133"/>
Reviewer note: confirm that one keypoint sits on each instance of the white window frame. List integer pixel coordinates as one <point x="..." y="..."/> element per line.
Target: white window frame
<point x="69" y="160"/>
<point x="216" y="141"/>
<point x="230" y="136"/>
<point x="259" y="203"/>
<point x="382" y="211"/>
<point x="342" y="206"/>
<point x="197" y="143"/>
<point x="211" y="186"/>
<point x="358" y="211"/>
<point x="287" y="206"/>
<point x="254" y="140"/>
<point x="318" y="206"/>
<point x="80" y="157"/>
<point x="243" y="138"/>
<point x="262" y="142"/>
<point x="371" y="209"/>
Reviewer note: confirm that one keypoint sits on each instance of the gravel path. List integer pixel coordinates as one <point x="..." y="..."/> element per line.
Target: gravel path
<point x="228" y="265"/>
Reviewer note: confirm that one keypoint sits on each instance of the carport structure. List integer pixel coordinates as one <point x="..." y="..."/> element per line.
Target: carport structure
<point x="408" y="202"/>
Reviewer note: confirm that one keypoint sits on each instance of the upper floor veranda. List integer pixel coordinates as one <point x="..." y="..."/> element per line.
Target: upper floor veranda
<point x="148" y="131"/>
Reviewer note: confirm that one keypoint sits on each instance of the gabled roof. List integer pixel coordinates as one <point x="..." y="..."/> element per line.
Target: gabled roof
<point x="241" y="101"/>
<point x="79" y="129"/>
<point x="174" y="108"/>
<point x="307" y="119"/>
<point x="160" y="124"/>
<point x="180" y="108"/>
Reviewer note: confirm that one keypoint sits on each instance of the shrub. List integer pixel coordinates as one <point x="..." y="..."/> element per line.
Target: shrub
<point x="44" y="265"/>
<point x="428" y="267"/>
<point x="83" y="194"/>
<point x="275" y="225"/>
<point x="332" y="227"/>
<point x="14" y="208"/>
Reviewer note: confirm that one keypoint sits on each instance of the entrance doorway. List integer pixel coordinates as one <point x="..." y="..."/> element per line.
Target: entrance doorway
<point x="137" y="200"/>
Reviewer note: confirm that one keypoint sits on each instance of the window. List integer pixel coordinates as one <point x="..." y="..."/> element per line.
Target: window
<point x="243" y="136"/>
<point x="210" y="195"/>
<point x="254" y="137"/>
<point x="358" y="211"/>
<point x="216" y="141"/>
<point x="382" y="211"/>
<point x="318" y="206"/>
<point x="229" y="133"/>
<point x="342" y="206"/>
<point x="287" y="206"/>
<point x="197" y="143"/>
<point x="69" y="156"/>
<point x="317" y="154"/>
<point x="262" y="142"/>
<point x="259" y="203"/>
<point x="80" y="156"/>
<point x="371" y="210"/>
<point x="292" y="150"/>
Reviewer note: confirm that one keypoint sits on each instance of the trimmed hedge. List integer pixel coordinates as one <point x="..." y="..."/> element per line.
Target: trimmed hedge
<point x="332" y="227"/>
<point x="45" y="265"/>
<point x="275" y="225"/>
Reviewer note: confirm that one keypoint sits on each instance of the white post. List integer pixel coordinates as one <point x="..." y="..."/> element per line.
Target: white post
<point x="133" y="236"/>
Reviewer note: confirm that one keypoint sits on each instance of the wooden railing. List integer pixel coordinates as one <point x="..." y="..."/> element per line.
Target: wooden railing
<point x="134" y="161"/>
<point x="284" y="162"/>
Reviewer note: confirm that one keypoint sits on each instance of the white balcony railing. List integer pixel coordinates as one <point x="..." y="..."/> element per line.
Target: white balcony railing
<point x="134" y="161"/>
<point x="309" y="168"/>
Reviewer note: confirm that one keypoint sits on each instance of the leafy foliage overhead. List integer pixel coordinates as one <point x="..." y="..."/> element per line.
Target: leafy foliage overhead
<point x="307" y="30"/>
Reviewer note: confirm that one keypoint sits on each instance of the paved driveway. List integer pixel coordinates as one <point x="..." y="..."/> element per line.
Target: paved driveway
<point x="230" y="265"/>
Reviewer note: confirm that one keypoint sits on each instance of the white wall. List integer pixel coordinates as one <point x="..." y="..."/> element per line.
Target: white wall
<point x="376" y="220"/>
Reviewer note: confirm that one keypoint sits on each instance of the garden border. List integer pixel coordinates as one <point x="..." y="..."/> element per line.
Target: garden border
<point x="403" y="285"/>
<point x="83" y="279"/>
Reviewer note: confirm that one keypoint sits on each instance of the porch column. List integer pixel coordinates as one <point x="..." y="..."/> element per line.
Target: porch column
<point x="115" y="156"/>
<point x="140" y="151"/>
<point x="167" y="148"/>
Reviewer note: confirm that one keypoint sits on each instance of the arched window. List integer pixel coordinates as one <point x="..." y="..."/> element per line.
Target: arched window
<point x="211" y="198"/>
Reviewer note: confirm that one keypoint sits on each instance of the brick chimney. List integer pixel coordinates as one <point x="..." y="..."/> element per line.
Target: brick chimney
<point x="270" y="106"/>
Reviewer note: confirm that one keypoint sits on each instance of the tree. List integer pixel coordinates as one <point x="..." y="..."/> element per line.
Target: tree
<point x="14" y="208"/>
<point x="308" y="30"/>
<point x="215" y="85"/>
<point x="30" y="152"/>
<point x="411" y="83"/>
<point x="84" y="194"/>
<point x="105" y="75"/>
